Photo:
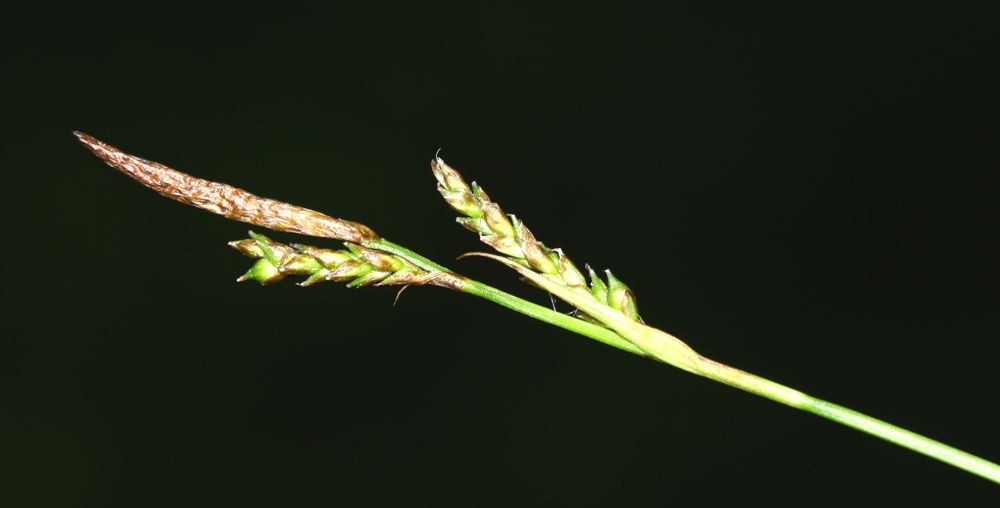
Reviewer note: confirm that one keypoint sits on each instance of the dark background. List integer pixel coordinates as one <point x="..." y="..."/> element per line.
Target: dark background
<point x="805" y="193"/>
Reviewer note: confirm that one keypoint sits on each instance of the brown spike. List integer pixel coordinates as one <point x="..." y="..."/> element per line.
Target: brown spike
<point x="225" y="200"/>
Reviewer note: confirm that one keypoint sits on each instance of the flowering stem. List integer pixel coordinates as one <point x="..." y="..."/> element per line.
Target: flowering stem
<point x="903" y="437"/>
<point x="550" y="316"/>
<point x="842" y="415"/>
<point x="379" y="261"/>
<point x="512" y="302"/>
<point x="669" y="349"/>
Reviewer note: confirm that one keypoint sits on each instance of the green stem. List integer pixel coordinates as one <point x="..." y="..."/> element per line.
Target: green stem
<point x="904" y="438"/>
<point x="512" y="302"/>
<point x="669" y="349"/>
<point x="842" y="415"/>
<point x="550" y="316"/>
<point x="386" y="246"/>
<point x="636" y="338"/>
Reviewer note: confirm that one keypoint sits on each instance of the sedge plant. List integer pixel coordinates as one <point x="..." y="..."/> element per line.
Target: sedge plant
<point x="607" y="309"/>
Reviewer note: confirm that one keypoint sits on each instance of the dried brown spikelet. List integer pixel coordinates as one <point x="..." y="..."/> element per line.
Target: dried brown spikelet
<point x="226" y="200"/>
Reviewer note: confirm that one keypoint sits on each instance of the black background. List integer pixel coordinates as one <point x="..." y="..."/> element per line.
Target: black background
<point x="804" y="193"/>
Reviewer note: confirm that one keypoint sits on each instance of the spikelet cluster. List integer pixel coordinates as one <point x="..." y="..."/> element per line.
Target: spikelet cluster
<point x="509" y="236"/>
<point x="358" y="266"/>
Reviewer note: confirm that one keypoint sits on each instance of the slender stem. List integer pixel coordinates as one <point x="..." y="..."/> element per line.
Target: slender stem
<point x="512" y="302"/>
<point x="550" y="316"/>
<point x="386" y="246"/>
<point x="669" y="349"/>
<point x="878" y="428"/>
<point x="904" y="438"/>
